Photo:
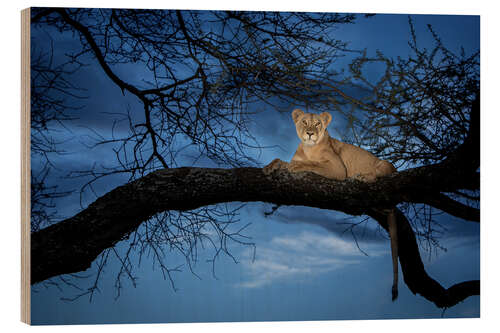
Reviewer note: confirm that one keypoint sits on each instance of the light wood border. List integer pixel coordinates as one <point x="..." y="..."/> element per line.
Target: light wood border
<point x="25" y="168"/>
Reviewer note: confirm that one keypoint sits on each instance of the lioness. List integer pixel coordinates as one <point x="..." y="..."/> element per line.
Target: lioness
<point x="330" y="158"/>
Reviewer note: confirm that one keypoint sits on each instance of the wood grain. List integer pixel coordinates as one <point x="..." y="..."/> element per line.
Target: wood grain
<point x="25" y="168"/>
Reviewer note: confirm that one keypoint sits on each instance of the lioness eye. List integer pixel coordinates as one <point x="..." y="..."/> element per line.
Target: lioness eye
<point x="317" y="124"/>
<point x="304" y="122"/>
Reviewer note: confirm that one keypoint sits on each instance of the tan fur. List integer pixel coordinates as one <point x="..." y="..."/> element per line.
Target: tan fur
<point x="330" y="158"/>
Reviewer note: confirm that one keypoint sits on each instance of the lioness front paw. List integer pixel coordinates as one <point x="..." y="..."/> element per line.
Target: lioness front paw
<point x="295" y="167"/>
<point x="274" y="165"/>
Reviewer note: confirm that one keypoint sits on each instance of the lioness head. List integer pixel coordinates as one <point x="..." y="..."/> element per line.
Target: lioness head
<point x="310" y="127"/>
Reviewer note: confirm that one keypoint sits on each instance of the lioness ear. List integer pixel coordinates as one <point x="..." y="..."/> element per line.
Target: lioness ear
<point x="296" y="114"/>
<point x="326" y="117"/>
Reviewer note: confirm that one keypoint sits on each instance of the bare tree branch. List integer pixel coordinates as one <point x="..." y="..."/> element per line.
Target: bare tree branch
<point x="71" y="245"/>
<point x="453" y="207"/>
<point x="199" y="87"/>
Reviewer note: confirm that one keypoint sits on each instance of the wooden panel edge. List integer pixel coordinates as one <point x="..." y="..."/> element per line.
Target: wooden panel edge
<point x="25" y="168"/>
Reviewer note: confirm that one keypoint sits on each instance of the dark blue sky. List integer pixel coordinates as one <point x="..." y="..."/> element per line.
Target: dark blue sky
<point x="305" y="267"/>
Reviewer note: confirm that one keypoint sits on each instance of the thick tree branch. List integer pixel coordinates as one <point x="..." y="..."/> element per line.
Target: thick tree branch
<point x="71" y="245"/>
<point x="415" y="276"/>
<point x="452" y="207"/>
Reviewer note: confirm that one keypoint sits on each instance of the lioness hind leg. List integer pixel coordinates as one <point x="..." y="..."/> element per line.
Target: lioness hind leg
<point x="365" y="177"/>
<point x="384" y="168"/>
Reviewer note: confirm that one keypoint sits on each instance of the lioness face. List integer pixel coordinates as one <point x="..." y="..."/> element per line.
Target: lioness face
<point x="310" y="127"/>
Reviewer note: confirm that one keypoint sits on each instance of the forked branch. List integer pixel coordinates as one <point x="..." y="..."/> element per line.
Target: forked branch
<point x="71" y="245"/>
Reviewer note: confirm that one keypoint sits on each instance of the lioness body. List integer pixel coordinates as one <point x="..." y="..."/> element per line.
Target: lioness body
<point x="330" y="158"/>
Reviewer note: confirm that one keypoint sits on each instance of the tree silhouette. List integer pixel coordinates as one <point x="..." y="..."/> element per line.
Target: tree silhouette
<point x="202" y="72"/>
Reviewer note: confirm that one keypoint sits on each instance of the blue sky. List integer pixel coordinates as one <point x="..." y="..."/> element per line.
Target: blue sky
<point x="305" y="267"/>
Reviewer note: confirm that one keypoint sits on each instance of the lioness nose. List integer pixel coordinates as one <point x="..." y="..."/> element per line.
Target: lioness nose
<point x="310" y="133"/>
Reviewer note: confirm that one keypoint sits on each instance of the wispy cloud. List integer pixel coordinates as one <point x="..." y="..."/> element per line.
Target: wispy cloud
<point x="299" y="256"/>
